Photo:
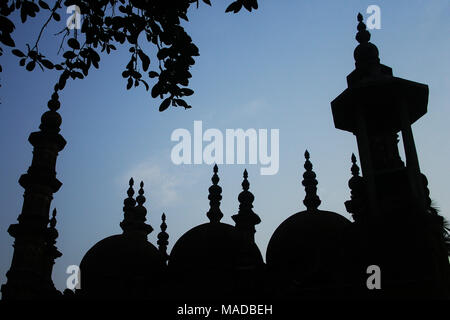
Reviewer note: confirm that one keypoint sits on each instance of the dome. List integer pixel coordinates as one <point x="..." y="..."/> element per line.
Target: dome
<point x="307" y="251"/>
<point x="124" y="265"/>
<point x="207" y="246"/>
<point x="121" y="265"/>
<point x="304" y="237"/>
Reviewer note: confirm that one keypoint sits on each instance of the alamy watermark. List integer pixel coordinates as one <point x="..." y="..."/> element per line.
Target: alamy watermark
<point x="374" y="280"/>
<point x="374" y="20"/>
<point x="240" y="146"/>
<point x="74" y="21"/>
<point x="73" y="280"/>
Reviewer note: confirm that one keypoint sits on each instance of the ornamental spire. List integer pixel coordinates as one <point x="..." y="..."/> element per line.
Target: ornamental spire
<point x="362" y="36"/>
<point x="163" y="238"/>
<point x="215" y="195"/>
<point x="312" y="200"/>
<point x="366" y="53"/>
<point x="134" y="216"/>
<point x="246" y="219"/>
<point x="355" y="206"/>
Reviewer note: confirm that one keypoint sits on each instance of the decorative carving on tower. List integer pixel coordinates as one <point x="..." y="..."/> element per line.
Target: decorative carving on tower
<point x="28" y="276"/>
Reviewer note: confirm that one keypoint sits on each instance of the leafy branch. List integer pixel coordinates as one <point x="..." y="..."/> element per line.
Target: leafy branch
<point x="107" y="24"/>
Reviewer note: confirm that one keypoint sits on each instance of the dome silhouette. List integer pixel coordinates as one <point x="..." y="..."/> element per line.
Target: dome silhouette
<point x="121" y="266"/>
<point x="305" y="248"/>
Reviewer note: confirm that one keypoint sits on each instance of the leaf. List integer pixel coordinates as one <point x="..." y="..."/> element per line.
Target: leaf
<point x="18" y="53"/>
<point x="130" y="83"/>
<point x="69" y="55"/>
<point x="153" y="74"/>
<point x="164" y="105"/>
<point x="6" y="39"/>
<point x="145" y="60"/>
<point x="73" y="43"/>
<point x="156" y="90"/>
<point x="182" y="103"/>
<point x="48" y="64"/>
<point x="56" y="16"/>
<point x="235" y="6"/>
<point x="7" y="25"/>
<point x="163" y="53"/>
<point x="187" y="91"/>
<point x="207" y="2"/>
<point x="43" y="5"/>
<point x="145" y="84"/>
<point x="30" y="65"/>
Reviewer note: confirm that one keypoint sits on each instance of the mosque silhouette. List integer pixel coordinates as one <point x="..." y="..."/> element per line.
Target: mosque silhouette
<point x="313" y="254"/>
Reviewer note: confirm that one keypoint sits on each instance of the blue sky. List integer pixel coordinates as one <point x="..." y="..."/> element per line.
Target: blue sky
<point x="276" y="68"/>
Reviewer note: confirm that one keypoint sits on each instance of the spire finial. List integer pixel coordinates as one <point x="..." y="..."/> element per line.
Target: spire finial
<point x="245" y="183"/>
<point x="355" y="168"/>
<point x="134" y="216"/>
<point x="53" y="219"/>
<point x="140" y="199"/>
<point x="356" y="206"/>
<point x="130" y="190"/>
<point x="312" y="200"/>
<point x="163" y="238"/>
<point x="363" y="36"/>
<point x="246" y="219"/>
<point x="215" y="195"/>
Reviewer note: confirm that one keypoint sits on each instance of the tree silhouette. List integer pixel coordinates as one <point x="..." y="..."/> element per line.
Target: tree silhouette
<point x="107" y="23"/>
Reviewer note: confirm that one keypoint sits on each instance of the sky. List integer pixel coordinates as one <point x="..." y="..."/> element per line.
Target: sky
<point x="278" y="67"/>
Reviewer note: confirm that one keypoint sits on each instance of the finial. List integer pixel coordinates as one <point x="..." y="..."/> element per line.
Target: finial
<point x="140" y="199"/>
<point x="130" y="190"/>
<point x="134" y="216"/>
<point x="53" y="219"/>
<point x="129" y="202"/>
<point x="356" y="206"/>
<point x="215" y="195"/>
<point x="363" y="36"/>
<point x="245" y="183"/>
<point x="355" y="168"/>
<point x="246" y="219"/>
<point x="215" y="178"/>
<point x="163" y="238"/>
<point x="311" y="201"/>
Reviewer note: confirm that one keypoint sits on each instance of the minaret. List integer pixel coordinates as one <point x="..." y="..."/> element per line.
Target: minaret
<point x="163" y="238"/>
<point x="215" y="195"/>
<point x="375" y="107"/>
<point x="28" y="276"/>
<point x="246" y="219"/>
<point x="312" y="200"/>
<point x="133" y="223"/>
<point x="398" y="232"/>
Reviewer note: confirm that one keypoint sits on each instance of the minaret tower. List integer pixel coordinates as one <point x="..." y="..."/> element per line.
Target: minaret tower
<point x="28" y="276"/>
<point x="375" y="107"/>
